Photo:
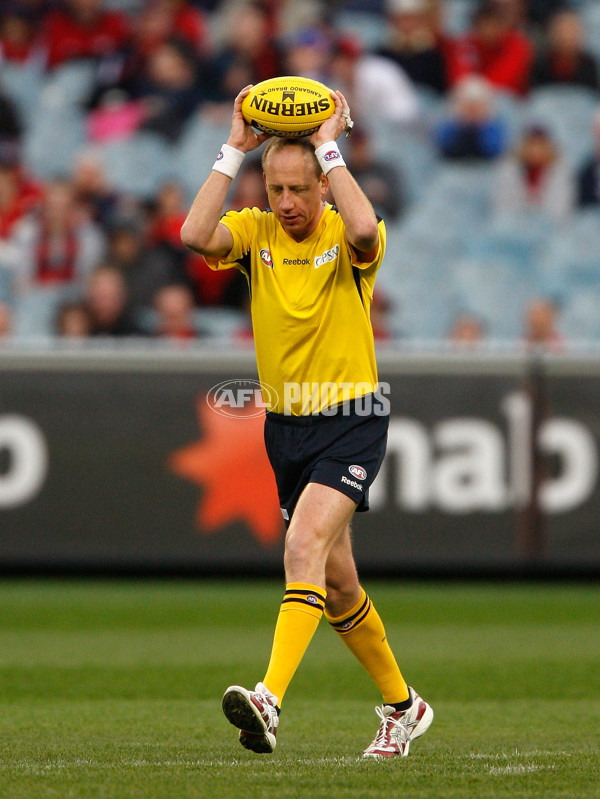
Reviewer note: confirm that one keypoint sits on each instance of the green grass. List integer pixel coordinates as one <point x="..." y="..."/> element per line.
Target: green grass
<point x="112" y="689"/>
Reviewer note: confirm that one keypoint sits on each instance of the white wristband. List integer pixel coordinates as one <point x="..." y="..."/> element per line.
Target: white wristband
<point x="328" y="156"/>
<point x="229" y="161"/>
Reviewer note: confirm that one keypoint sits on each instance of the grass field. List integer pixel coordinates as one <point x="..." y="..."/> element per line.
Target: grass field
<point x="112" y="689"/>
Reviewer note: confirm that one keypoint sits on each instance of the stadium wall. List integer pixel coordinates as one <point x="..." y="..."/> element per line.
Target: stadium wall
<point x="114" y="462"/>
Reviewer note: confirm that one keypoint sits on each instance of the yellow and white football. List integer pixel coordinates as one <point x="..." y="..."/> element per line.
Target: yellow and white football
<point x="288" y="106"/>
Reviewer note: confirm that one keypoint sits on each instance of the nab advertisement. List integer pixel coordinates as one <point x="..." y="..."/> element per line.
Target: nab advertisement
<point x="114" y="463"/>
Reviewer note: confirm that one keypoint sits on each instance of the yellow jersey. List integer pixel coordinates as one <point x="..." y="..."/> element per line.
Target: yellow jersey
<point x="310" y="303"/>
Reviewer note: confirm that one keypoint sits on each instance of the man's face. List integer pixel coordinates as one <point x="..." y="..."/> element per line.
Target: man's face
<point x="295" y="192"/>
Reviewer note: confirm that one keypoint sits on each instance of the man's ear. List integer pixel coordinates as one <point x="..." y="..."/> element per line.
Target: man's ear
<point x="324" y="185"/>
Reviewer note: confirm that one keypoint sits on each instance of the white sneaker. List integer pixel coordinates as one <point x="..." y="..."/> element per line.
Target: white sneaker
<point x="255" y="714"/>
<point x="399" y="727"/>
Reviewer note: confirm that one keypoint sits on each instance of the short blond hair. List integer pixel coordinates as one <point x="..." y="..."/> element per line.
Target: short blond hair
<point x="278" y="143"/>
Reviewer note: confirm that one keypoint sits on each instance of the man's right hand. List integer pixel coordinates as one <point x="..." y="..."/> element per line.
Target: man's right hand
<point x="242" y="136"/>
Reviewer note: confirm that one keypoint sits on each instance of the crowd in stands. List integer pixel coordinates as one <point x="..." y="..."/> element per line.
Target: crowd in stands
<point x="111" y="112"/>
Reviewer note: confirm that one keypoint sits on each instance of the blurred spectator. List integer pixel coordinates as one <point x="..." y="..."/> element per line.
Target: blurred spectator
<point x="376" y="87"/>
<point x="249" y="53"/>
<point x="229" y="287"/>
<point x="379" y="180"/>
<point x="534" y="178"/>
<point x="175" y="313"/>
<point x="19" y="194"/>
<point x="170" y="87"/>
<point x="495" y="48"/>
<point x="472" y="129"/>
<point x="96" y="199"/>
<point x="19" y="33"/>
<point x="106" y="302"/>
<point x="168" y="216"/>
<point x="161" y="20"/>
<point x="381" y="308"/>
<point x="57" y="244"/>
<point x="466" y="330"/>
<point x="73" y="320"/>
<point x="244" y="335"/>
<point x="588" y="178"/>
<point x="145" y="268"/>
<point x="10" y="122"/>
<point x="565" y="59"/>
<point x="308" y="53"/>
<point x="538" y="12"/>
<point x="541" y="325"/>
<point x="5" y="320"/>
<point x="248" y="188"/>
<point x="83" y="29"/>
<point x="416" y="44"/>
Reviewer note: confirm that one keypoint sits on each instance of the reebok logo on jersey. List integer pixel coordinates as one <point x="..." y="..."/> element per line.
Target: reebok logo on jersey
<point x="328" y="255"/>
<point x="265" y="257"/>
<point x="296" y="261"/>
<point x="352" y="483"/>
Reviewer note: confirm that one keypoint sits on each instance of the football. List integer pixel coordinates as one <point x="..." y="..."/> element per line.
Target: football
<point x="289" y="106"/>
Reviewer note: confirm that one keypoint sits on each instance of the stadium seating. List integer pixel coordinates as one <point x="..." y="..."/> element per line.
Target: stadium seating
<point x="569" y="113"/>
<point x="445" y="254"/>
<point x="138" y="164"/>
<point x="36" y="310"/>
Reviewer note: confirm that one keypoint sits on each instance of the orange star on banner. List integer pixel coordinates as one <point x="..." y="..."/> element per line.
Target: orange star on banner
<point x="231" y="465"/>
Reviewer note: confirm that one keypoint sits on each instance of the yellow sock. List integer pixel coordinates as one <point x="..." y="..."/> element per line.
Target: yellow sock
<point x="299" y="617"/>
<point x="364" y="634"/>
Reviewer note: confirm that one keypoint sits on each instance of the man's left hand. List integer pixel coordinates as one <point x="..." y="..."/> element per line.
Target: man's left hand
<point x="335" y="125"/>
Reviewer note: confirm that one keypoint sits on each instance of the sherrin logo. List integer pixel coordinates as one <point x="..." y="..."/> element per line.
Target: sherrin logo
<point x="358" y="472"/>
<point x="265" y="257"/>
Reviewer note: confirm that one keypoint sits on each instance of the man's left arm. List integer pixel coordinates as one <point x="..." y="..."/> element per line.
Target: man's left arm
<point x="355" y="209"/>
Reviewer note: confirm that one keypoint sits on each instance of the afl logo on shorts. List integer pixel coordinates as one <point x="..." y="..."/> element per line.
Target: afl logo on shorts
<point x="358" y="472"/>
<point x="265" y="257"/>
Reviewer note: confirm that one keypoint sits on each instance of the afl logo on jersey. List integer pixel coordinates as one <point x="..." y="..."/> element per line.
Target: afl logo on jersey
<point x="358" y="472"/>
<point x="265" y="257"/>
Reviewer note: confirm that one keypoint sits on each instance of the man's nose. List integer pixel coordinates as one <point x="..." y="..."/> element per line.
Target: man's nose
<point x="287" y="201"/>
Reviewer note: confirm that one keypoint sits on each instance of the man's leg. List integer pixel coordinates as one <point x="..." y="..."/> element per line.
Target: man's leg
<point x="353" y="616"/>
<point x="404" y="715"/>
<point x="320" y="516"/>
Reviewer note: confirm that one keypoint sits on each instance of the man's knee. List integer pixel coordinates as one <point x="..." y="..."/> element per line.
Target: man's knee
<point x="303" y="546"/>
<point x="341" y="596"/>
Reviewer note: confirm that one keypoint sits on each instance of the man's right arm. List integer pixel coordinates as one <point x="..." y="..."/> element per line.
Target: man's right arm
<point x="201" y="230"/>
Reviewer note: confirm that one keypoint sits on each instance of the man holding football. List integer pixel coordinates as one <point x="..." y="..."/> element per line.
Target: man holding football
<point x="311" y="269"/>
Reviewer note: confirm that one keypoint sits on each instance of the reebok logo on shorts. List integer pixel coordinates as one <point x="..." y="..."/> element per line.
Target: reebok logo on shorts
<point x="352" y="483"/>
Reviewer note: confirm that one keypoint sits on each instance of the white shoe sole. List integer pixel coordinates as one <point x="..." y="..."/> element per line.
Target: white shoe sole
<point x="240" y="711"/>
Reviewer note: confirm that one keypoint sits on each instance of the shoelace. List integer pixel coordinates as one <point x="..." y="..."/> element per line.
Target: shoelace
<point x="386" y="723"/>
<point x="270" y="709"/>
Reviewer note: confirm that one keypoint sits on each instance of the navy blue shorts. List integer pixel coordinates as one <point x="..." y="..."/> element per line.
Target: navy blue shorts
<point x="344" y="451"/>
